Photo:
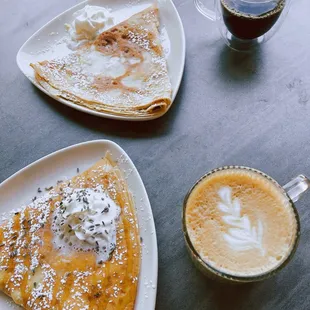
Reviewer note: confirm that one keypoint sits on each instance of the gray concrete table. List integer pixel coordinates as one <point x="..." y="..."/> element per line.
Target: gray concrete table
<point x="231" y="108"/>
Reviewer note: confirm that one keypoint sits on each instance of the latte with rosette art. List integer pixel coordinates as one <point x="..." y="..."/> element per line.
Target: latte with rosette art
<point x="240" y="222"/>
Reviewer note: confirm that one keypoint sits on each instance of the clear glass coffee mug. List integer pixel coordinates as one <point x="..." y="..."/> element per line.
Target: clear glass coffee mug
<point x="292" y="191"/>
<point x="245" y="24"/>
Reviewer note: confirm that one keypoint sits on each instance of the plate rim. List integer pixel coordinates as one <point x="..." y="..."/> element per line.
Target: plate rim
<point x="121" y="150"/>
<point x="103" y="114"/>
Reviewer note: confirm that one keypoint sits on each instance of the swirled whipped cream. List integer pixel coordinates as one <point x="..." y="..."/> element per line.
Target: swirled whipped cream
<point x="86" y="220"/>
<point x="89" y="22"/>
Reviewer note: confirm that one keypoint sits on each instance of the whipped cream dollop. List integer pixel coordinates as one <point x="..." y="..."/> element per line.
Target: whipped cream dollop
<point x="86" y="220"/>
<point x="89" y="22"/>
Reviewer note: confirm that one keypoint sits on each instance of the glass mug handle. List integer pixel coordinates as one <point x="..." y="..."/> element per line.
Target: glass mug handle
<point x="204" y="10"/>
<point x="297" y="187"/>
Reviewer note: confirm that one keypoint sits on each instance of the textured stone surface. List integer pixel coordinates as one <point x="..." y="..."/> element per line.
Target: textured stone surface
<point x="232" y="108"/>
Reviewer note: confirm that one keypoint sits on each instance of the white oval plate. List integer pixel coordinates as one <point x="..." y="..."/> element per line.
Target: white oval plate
<point x="21" y="187"/>
<point x="47" y="43"/>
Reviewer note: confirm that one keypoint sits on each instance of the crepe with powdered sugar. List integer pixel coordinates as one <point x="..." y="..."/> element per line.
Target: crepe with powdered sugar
<point x="122" y="72"/>
<point x="76" y="247"/>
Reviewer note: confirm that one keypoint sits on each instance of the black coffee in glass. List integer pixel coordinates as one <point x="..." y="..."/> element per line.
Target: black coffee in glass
<point x="250" y="19"/>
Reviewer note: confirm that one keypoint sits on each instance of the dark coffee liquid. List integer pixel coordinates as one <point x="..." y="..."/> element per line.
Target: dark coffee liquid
<point x="247" y="19"/>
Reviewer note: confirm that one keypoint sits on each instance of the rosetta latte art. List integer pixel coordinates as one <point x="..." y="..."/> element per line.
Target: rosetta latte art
<point x="242" y="235"/>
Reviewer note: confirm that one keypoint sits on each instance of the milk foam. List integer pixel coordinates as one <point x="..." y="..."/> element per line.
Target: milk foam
<point x="242" y="235"/>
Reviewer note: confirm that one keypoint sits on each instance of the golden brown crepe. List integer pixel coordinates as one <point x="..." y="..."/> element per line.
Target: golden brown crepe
<point x="38" y="276"/>
<point x="122" y="72"/>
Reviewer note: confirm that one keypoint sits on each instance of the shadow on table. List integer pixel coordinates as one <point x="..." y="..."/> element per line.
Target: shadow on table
<point x="193" y="290"/>
<point x="129" y="129"/>
<point x="240" y="67"/>
<point x="231" y="296"/>
<point x="222" y="296"/>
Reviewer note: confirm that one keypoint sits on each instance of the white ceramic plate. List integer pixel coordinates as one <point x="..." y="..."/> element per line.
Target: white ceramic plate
<point x="21" y="187"/>
<point x="48" y="43"/>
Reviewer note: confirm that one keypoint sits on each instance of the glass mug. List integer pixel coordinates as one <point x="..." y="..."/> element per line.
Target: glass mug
<point x="291" y="192"/>
<point x="245" y="24"/>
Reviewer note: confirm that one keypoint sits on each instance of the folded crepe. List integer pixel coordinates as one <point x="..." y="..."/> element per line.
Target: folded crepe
<point x="37" y="274"/>
<point x="122" y="72"/>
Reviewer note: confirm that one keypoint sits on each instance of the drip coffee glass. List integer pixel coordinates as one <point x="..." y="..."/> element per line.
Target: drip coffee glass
<point x="245" y="24"/>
